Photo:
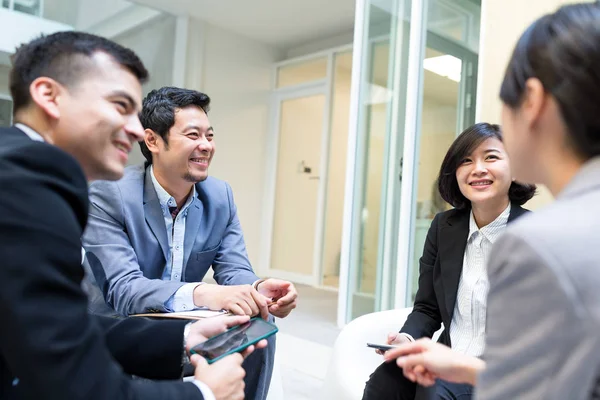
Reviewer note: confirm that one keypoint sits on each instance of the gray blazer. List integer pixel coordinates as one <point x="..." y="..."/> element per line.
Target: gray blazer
<point x="543" y="318"/>
<point x="126" y="243"/>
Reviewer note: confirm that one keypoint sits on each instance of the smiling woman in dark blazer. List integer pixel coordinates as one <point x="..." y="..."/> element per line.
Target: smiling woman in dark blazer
<point x="475" y="178"/>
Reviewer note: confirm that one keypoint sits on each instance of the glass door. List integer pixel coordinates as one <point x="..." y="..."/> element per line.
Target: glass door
<point x="300" y="124"/>
<point x="448" y="107"/>
<point x="415" y="84"/>
<point x="381" y="99"/>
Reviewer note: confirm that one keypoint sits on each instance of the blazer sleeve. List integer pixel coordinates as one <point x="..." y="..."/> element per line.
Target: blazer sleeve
<point x="47" y="340"/>
<point x="231" y="264"/>
<point x="132" y="343"/>
<point x="425" y="318"/>
<point x="539" y="343"/>
<point x="113" y="261"/>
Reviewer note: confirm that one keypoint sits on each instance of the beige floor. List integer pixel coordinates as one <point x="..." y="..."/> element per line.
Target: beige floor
<point x="305" y="341"/>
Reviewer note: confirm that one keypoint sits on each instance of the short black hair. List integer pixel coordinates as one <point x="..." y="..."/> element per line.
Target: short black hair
<point x="562" y="50"/>
<point x="158" y="111"/>
<point x="64" y="57"/>
<point x="462" y="146"/>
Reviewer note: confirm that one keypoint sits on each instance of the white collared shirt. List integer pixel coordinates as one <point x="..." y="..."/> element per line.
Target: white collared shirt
<point x="183" y="299"/>
<point x="33" y="135"/>
<point x="467" y="329"/>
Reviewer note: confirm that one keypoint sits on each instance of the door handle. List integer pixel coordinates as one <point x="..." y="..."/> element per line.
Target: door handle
<point x="303" y="168"/>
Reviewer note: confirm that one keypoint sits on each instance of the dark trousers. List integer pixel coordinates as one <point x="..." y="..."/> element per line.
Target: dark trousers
<point x="389" y="383"/>
<point x="259" y="368"/>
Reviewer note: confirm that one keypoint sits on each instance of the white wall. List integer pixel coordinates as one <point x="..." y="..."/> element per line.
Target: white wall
<point x="321" y="45"/>
<point x="65" y="11"/>
<point x="93" y="12"/>
<point x="502" y="23"/>
<point x="236" y="74"/>
<point x="18" y="28"/>
<point x="153" y="43"/>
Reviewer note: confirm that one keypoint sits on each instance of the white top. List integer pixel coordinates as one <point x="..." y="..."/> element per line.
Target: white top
<point x="467" y="329"/>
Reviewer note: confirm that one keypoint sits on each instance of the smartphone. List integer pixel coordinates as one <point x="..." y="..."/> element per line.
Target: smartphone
<point x="235" y="339"/>
<point x="382" y="347"/>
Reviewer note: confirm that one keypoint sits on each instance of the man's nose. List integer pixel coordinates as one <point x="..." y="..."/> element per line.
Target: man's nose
<point x="204" y="144"/>
<point x="134" y="128"/>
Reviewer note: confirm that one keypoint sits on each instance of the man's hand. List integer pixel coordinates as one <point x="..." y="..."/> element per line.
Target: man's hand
<point x="282" y="293"/>
<point x="239" y="299"/>
<point x="225" y="377"/>
<point x="424" y="361"/>
<point x="209" y="327"/>
<point x="394" y="339"/>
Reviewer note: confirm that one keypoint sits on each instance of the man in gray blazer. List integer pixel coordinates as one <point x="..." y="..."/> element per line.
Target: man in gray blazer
<point x="153" y="235"/>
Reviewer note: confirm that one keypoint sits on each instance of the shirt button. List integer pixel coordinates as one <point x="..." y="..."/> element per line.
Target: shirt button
<point x="184" y="307"/>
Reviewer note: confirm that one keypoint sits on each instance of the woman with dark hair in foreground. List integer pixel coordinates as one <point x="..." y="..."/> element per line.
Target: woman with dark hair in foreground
<point x="475" y="178"/>
<point x="544" y="272"/>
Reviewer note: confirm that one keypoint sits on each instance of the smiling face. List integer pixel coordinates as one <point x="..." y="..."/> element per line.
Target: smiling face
<point x="484" y="175"/>
<point x="190" y="148"/>
<point x="99" y="121"/>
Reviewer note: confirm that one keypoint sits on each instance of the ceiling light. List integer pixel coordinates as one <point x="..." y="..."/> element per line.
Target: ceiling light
<point x="446" y="65"/>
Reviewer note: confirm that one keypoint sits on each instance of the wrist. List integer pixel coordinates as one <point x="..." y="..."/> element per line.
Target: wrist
<point x="186" y="346"/>
<point x="472" y="367"/>
<point x="198" y="295"/>
<point x="258" y="282"/>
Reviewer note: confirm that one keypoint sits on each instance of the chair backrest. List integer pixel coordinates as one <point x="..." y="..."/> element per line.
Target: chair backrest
<point x="352" y="362"/>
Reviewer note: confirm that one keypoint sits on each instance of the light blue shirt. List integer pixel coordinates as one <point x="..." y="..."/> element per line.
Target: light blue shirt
<point x="183" y="299"/>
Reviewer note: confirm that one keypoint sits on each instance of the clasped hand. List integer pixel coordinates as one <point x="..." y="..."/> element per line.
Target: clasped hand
<point x="273" y="296"/>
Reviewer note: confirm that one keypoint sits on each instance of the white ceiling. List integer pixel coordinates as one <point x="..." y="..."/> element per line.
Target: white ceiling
<point x="281" y="23"/>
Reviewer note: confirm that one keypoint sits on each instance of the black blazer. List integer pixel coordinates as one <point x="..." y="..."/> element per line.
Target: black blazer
<point x="50" y="348"/>
<point x="439" y="273"/>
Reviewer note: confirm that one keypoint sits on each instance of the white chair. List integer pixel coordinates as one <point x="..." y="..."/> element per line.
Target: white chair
<point x="352" y="362"/>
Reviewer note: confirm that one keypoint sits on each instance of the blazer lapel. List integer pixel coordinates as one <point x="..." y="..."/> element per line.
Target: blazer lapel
<point x="192" y="225"/>
<point x="453" y="242"/>
<point x="515" y="212"/>
<point x="154" y="215"/>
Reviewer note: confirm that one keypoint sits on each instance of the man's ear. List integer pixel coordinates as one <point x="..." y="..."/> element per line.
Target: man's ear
<point x="46" y="93"/>
<point x="151" y="139"/>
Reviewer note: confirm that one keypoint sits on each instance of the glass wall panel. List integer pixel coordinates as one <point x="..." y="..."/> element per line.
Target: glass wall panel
<point x="28" y="6"/>
<point x="5" y="112"/>
<point x="444" y="101"/>
<point x="449" y="74"/>
<point x="336" y="171"/>
<point x="379" y="141"/>
<point x="302" y="72"/>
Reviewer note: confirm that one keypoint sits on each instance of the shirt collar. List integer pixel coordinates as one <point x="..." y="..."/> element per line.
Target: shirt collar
<point x="492" y="230"/>
<point x="164" y="198"/>
<point x="33" y="135"/>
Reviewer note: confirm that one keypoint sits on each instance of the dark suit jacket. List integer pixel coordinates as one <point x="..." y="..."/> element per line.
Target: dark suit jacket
<point x="50" y="348"/>
<point x="439" y="273"/>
